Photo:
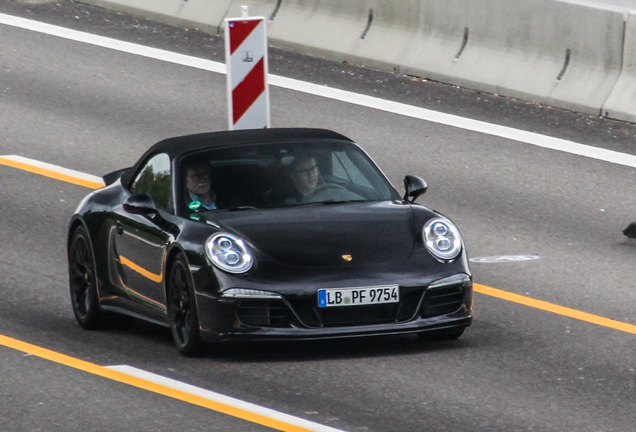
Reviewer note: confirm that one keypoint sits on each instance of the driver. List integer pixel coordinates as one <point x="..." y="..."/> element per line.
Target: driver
<point x="304" y="175"/>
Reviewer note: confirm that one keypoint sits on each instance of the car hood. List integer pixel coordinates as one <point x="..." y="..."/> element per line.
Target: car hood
<point x="327" y="235"/>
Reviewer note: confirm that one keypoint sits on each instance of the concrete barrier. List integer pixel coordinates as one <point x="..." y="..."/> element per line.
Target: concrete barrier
<point x="264" y="8"/>
<point x="621" y="104"/>
<point x="204" y="14"/>
<point x="389" y="37"/>
<point x="164" y="8"/>
<point x="208" y="15"/>
<point x="556" y="52"/>
<point x="325" y="27"/>
<point x="553" y="52"/>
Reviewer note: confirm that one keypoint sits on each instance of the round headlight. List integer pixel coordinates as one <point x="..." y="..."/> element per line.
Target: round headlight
<point x="442" y="239"/>
<point x="229" y="253"/>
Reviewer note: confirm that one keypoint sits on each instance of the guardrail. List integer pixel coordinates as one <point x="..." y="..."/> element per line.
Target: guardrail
<point x="576" y="56"/>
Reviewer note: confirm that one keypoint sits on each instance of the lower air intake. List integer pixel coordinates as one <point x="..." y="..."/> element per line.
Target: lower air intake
<point x="442" y="301"/>
<point x="262" y="313"/>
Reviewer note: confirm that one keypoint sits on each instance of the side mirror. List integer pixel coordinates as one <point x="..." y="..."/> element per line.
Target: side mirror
<point x="141" y="204"/>
<point x="413" y="188"/>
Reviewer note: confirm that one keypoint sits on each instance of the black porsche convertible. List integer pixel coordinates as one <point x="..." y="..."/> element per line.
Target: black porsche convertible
<point x="265" y="235"/>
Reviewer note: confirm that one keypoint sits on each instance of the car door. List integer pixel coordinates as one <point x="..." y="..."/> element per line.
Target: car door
<point x="139" y="242"/>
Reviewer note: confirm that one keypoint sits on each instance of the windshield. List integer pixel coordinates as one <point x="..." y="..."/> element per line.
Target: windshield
<point x="279" y="175"/>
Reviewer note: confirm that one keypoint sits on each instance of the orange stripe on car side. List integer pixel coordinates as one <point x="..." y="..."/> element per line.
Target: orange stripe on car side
<point x="158" y="278"/>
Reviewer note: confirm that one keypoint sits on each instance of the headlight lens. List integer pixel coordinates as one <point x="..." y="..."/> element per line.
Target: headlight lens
<point x="229" y="253"/>
<point x="442" y="239"/>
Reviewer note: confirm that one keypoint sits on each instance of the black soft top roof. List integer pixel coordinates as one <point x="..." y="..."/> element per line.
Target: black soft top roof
<point x="177" y="146"/>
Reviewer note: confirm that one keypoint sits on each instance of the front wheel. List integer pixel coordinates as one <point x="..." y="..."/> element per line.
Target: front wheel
<point x="83" y="280"/>
<point x="182" y="309"/>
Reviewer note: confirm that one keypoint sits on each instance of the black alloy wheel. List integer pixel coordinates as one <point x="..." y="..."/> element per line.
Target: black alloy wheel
<point x="182" y="309"/>
<point x="83" y="280"/>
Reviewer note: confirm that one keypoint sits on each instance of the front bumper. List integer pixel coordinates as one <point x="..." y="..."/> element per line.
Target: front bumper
<point x="442" y="304"/>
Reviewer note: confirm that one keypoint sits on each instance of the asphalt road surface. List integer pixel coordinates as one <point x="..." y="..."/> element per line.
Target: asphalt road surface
<point x="522" y="366"/>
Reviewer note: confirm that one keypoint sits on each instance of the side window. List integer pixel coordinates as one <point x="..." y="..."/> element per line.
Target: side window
<point x="154" y="179"/>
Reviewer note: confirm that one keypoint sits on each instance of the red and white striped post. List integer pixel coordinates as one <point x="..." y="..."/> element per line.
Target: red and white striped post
<point x="246" y="60"/>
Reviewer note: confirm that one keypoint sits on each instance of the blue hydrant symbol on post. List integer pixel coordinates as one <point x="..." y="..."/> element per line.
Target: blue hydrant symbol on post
<point x="248" y="57"/>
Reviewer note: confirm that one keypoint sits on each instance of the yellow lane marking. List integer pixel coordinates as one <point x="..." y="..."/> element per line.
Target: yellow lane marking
<point x="50" y="171"/>
<point x="142" y="271"/>
<point x="148" y="385"/>
<point x="551" y="307"/>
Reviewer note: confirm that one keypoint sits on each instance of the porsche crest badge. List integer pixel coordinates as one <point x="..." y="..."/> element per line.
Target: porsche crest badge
<point x="347" y="257"/>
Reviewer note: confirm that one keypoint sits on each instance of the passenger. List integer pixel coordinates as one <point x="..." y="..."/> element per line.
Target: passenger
<point x="202" y="197"/>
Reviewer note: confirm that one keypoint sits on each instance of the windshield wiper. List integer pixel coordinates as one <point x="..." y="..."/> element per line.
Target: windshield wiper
<point x="328" y="202"/>
<point x="343" y="201"/>
<point x="239" y="208"/>
<point x="316" y="203"/>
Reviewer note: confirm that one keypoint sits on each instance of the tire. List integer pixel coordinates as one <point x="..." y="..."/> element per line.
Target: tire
<point x="83" y="281"/>
<point x="182" y="310"/>
<point x="442" y="335"/>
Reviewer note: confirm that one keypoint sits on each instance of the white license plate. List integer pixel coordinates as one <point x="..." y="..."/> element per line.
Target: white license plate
<point x="358" y="296"/>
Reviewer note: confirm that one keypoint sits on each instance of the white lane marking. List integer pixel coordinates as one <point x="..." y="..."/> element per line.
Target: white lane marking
<point x="340" y="95"/>
<point x="113" y="44"/>
<point x="217" y="397"/>
<point x="54" y="168"/>
<point x="505" y="258"/>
